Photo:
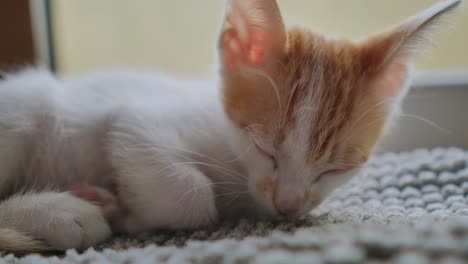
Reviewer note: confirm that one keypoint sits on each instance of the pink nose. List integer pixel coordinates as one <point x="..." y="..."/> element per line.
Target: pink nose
<point x="288" y="207"/>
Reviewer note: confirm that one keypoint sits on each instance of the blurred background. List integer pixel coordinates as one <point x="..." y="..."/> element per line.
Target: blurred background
<point x="179" y="37"/>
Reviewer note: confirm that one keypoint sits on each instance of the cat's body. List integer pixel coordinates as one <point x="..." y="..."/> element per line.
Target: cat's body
<point x="128" y="121"/>
<point x="73" y="123"/>
<point x="293" y="116"/>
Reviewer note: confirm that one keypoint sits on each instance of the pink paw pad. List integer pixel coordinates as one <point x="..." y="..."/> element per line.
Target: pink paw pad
<point x="252" y="53"/>
<point x="86" y="192"/>
<point x="98" y="196"/>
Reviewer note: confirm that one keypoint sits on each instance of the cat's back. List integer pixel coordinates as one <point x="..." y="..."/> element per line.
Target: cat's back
<point x="142" y="87"/>
<point x="55" y="126"/>
<point x="38" y="91"/>
<point x="24" y="94"/>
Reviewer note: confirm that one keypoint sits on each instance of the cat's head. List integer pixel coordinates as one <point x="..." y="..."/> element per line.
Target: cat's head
<point x="309" y="109"/>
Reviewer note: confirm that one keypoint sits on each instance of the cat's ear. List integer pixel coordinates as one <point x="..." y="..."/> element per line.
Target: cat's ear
<point x="253" y="34"/>
<point x="386" y="56"/>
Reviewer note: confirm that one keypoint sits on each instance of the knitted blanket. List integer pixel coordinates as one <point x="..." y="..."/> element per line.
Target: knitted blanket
<point x="408" y="207"/>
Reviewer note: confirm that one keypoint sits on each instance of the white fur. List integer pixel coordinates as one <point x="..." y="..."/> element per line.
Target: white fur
<point x="61" y="220"/>
<point x="163" y="147"/>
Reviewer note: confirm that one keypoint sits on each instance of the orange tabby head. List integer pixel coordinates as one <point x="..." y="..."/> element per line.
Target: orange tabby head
<point x="314" y="108"/>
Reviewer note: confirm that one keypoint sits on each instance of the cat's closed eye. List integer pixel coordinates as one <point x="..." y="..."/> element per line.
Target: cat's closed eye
<point x="331" y="173"/>
<point x="268" y="154"/>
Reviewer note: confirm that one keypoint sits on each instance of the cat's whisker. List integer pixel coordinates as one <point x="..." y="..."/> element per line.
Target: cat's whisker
<point x="256" y="128"/>
<point x="231" y="193"/>
<point x="276" y="90"/>
<point x="227" y="171"/>
<point x="263" y="134"/>
<point x="347" y="164"/>
<point x="170" y="148"/>
<point x="359" y="150"/>
<point x="427" y="121"/>
<point x="194" y="189"/>
<point x="233" y="199"/>
<point x="293" y="91"/>
<point x="249" y="147"/>
<point x="345" y="136"/>
<point x="360" y="128"/>
<point x="207" y="185"/>
<point x="271" y="81"/>
<point x="351" y="165"/>
<point x="201" y="155"/>
<point x="224" y="168"/>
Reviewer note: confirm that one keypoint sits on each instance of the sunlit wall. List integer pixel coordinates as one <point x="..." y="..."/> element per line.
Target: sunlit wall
<point x="179" y="36"/>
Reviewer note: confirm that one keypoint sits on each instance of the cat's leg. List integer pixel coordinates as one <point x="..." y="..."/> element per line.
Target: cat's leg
<point x="158" y="183"/>
<point x="177" y="197"/>
<point x="61" y="220"/>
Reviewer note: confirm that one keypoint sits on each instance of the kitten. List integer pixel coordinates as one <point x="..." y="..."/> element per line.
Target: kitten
<point x="294" y="116"/>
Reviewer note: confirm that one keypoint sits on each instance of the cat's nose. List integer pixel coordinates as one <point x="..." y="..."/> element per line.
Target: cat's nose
<point x="288" y="207"/>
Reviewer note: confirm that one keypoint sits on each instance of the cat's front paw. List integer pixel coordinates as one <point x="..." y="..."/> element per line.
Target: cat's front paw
<point x="195" y="213"/>
<point x="162" y="202"/>
<point x="61" y="220"/>
<point x="76" y="224"/>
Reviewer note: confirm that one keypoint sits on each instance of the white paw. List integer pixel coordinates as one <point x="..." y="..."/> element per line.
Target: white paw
<point x="60" y="219"/>
<point x="78" y="224"/>
<point x="187" y="202"/>
<point x="197" y="210"/>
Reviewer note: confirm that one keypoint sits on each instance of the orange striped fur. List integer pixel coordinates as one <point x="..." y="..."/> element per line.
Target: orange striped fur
<point x="340" y="94"/>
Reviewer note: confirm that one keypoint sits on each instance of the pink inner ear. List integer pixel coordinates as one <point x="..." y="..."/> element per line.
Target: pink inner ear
<point x="393" y="80"/>
<point x="252" y="53"/>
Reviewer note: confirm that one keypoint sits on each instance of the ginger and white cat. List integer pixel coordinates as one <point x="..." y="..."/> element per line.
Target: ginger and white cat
<point x="293" y="116"/>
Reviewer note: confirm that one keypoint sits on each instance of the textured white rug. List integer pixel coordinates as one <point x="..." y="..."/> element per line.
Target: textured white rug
<point x="404" y="208"/>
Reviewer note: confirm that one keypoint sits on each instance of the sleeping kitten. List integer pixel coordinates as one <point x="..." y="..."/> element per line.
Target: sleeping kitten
<point x="294" y="116"/>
